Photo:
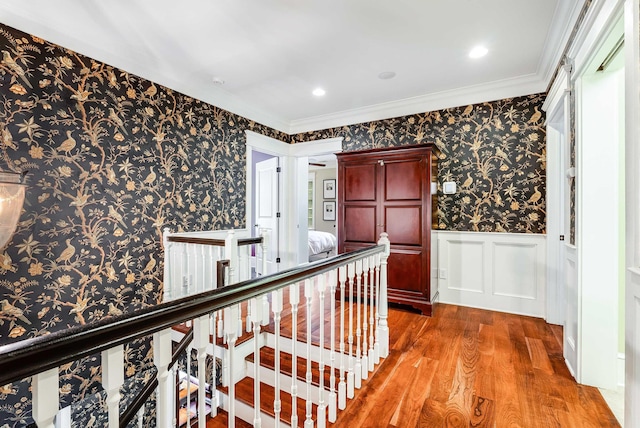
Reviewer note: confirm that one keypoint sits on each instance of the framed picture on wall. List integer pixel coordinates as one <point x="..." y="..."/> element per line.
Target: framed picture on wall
<point x="329" y="210"/>
<point x="329" y="189"/>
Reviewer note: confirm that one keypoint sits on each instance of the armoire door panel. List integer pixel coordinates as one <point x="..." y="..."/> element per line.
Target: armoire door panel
<point x="389" y="190"/>
<point x="403" y="180"/>
<point x="405" y="271"/>
<point x="404" y="224"/>
<point x="360" y="182"/>
<point x="360" y="224"/>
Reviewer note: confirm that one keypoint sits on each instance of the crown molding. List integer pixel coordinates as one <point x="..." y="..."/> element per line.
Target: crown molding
<point x="492" y="91"/>
<point x="507" y="88"/>
<point x="558" y="37"/>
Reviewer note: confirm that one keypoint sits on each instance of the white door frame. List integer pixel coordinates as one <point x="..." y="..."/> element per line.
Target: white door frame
<point x="294" y="164"/>
<point x="597" y="309"/>
<point x="632" y="189"/>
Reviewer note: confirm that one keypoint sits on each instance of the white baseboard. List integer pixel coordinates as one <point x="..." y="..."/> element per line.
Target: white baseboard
<point x="620" y="367"/>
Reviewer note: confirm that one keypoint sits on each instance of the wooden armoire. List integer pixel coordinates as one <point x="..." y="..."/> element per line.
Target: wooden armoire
<point x="389" y="190"/>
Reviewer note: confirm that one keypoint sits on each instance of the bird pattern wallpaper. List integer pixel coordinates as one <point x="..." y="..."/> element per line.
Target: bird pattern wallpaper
<point x="495" y="152"/>
<point x="112" y="159"/>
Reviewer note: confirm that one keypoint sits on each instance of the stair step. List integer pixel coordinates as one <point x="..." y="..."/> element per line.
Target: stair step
<point x="244" y="393"/>
<point x="182" y="328"/>
<point x="222" y="421"/>
<point x="267" y="360"/>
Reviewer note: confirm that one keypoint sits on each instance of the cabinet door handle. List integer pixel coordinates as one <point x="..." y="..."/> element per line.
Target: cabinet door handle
<point x="381" y="162"/>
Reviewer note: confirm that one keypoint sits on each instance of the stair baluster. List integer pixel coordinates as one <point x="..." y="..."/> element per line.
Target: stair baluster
<point x="265" y="249"/>
<point x="372" y="305"/>
<point x="332" y="356"/>
<point x="45" y="387"/>
<point x="164" y="399"/>
<point x="350" y="373"/>
<point x="294" y="300"/>
<point x="308" y="294"/>
<point x="201" y="340"/>
<point x="257" y="318"/>
<point x="215" y="403"/>
<point x="276" y="305"/>
<point x="231" y="331"/>
<point x="322" y="407"/>
<point x="167" y="292"/>
<point x="376" y="345"/>
<point x="188" y="387"/>
<point x="112" y="380"/>
<point x="365" y="327"/>
<point x="358" y="365"/>
<point x="342" y="386"/>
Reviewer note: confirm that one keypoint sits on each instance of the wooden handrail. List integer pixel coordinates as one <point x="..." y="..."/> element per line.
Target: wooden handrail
<point x="212" y="241"/>
<point x="28" y="357"/>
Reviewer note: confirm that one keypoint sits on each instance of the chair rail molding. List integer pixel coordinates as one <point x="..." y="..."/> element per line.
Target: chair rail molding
<point x="496" y="271"/>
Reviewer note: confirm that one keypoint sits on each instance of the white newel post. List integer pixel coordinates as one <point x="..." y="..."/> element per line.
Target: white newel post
<point x="45" y="397"/>
<point x="201" y="340"/>
<point x="112" y="380"/>
<point x="162" y="358"/>
<point x="383" y="327"/>
<point x="166" y="295"/>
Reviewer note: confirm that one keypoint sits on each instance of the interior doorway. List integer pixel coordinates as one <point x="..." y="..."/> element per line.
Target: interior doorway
<point x="599" y="85"/>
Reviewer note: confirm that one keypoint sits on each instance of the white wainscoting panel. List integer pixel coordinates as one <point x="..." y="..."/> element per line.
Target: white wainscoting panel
<point x="497" y="271"/>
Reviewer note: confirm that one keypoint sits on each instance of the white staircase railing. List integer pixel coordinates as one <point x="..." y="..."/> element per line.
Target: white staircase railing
<point x="311" y="291"/>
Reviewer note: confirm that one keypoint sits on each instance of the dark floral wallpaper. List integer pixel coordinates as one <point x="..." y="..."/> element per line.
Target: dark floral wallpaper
<point x="112" y="159"/>
<point x="495" y="152"/>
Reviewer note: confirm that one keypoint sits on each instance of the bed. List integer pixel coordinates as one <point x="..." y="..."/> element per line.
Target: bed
<point x="321" y="245"/>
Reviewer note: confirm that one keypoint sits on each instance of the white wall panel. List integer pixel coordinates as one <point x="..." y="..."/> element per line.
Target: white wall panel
<point x="497" y="271"/>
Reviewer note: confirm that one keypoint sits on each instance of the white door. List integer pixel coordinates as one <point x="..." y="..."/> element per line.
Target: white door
<point x="632" y="212"/>
<point x="266" y="207"/>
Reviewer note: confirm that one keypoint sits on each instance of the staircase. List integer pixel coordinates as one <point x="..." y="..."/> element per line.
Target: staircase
<point x="314" y="378"/>
<point x="293" y="348"/>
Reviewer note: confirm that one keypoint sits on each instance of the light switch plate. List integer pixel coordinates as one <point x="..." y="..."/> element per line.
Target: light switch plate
<point x="449" y="187"/>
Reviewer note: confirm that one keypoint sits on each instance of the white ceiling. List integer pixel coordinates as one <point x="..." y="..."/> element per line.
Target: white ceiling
<point x="273" y="53"/>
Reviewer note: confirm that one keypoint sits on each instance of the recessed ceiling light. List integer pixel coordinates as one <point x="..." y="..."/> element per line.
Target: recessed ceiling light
<point x="478" y="52"/>
<point x="318" y="92"/>
<point x="385" y="75"/>
<point x="217" y="81"/>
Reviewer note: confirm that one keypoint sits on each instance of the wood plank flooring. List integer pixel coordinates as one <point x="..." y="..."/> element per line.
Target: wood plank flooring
<point x="474" y="368"/>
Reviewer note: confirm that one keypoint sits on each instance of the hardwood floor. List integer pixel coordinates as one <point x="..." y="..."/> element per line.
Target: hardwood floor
<point x="474" y="368"/>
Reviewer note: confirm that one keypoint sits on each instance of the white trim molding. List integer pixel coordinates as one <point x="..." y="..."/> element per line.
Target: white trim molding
<point x="496" y="271"/>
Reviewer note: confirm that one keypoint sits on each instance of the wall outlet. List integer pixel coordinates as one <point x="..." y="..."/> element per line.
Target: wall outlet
<point x="443" y="274"/>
